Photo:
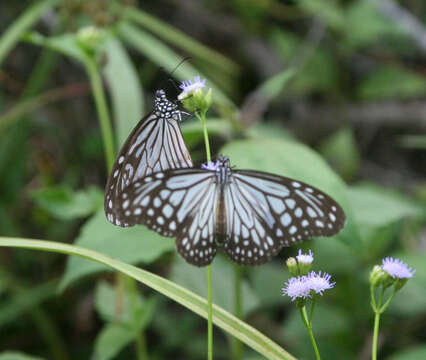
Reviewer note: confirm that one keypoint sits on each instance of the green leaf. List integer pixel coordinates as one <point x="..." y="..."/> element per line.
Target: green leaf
<point x="134" y="310"/>
<point x="341" y="151"/>
<point x="164" y="56"/>
<point x="27" y="19"/>
<point x="135" y="314"/>
<point x="15" y="355"/>
<point x="392" y="82"/>
<point x="194" y="279"/>
<point x="413" y="353"/>
<point x="328" y="320"/>
<point x="65" y="44"/>
<point x="267" y="281"/>
<point x="198" y="305"/>
<point x="179" y="39"/>
<point x="192" y="131"/>
<point x="132" y="245"/>
<point x="364" y="25"/>
<point x="375" y="206"/>
<point x="328" y="11"/>
<point x="25" y="300"/>
<point x="410" y="300"/>
<point x="317" y="74"/>
<point x="66" y="204"/>
<point x="126" y="91"/>
<point x="111" y="340"/>
<point x="294" y="160"/>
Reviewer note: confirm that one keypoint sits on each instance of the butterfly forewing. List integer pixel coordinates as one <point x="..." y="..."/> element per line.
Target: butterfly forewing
<point x="156" y="144"/>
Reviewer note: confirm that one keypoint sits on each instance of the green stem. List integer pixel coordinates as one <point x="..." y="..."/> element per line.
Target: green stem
<point x="202" y="117"/>
<point x="377" y="312"/>
<point x="108" y="140"/>
<point x="102" y="109"/>
<point x="140" y="343"/>
<point x="237" y="346"/>
<point x="375" y="335"/>
<point x="209" y="314"/>
<point x="308" y="326"/>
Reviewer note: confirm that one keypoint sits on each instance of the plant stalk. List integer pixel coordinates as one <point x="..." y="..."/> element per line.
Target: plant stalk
<point x="102" y="110"/>
<point x="202" y="117"/>
<point x="237" y="346"/>
<point x="308" y="326"/>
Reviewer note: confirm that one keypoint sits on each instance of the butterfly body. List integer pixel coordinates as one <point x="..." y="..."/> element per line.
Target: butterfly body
<point x="251" y="214"/>
<point x="155" y="144"/>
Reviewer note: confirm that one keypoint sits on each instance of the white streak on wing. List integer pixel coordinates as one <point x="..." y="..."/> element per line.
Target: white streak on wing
<point x="186" y="180"/>
<point x="309" y="201"/>
<point x="267" y="186"/>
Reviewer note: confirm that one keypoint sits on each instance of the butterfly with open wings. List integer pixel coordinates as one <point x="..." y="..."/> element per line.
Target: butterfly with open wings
<point x="251" y="214"/>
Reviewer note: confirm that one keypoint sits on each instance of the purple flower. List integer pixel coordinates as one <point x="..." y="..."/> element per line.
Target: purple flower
<point x="210" y="166"/>
<point x="319" y="282"/>
<point x="296" y="287"/>
<point x="397" y="269"/>
<point x="191" y="86"/>
<point x="305" y="258"/>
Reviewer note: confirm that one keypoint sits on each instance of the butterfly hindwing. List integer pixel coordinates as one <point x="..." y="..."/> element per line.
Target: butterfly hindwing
<point x="178" y="203"/>
<point x="249" y="238"/>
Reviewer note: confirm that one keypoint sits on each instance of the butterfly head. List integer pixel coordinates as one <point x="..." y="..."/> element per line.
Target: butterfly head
<point x="165" y="108"/>
<point x="223" y="161"/>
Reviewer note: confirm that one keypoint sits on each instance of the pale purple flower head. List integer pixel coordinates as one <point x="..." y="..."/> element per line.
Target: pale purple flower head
<point x="296" y="287"/>
<point x="319" y="282"/>
<point x="305" y="258"/>
<point x="211" y="165"/>
<point x="190" y="86"/>
<point x="397" y="269"/>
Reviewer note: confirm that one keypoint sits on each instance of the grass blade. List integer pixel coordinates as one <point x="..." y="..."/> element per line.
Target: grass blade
<point x="22" y="24"/>
<point x="195" y="303"/>
<point x="179" y="39"/>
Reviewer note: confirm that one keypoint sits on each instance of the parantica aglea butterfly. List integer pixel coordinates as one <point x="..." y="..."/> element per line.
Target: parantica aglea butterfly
<point x="251" y="214"/>
<point x="155" y="144"/>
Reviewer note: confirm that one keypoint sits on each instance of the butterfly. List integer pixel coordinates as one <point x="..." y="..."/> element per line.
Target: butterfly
<point x="155" y="144"/>
<point x="251" y="214"/>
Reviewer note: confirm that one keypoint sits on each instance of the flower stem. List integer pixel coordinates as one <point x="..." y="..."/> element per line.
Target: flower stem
<point x="210" y="314"/>
<point x="237" y="346"/>
<point x="308" y="326"/>
<point x="202" y="117"/>
<point x="102" y="110"/>
<point x="377" y="311"/>
<point x="375" y="336"/>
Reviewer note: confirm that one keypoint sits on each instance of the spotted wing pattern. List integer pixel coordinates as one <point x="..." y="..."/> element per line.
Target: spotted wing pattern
<point x="266" y="212"/>
<point x="156" y="144"/>
<point x="177" y="203"/>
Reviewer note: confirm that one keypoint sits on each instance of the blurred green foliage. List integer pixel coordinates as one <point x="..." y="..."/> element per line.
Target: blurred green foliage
<point x="291" y="81"/>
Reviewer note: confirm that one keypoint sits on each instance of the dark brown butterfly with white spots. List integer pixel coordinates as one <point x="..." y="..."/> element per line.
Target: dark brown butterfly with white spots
<point x="251" y="214"/>
<point x="155" y="144"/>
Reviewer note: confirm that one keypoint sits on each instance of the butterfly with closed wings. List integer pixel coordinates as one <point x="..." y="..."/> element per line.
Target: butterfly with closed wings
<point x="155" y="144"/>
<point x="251" y="214"/>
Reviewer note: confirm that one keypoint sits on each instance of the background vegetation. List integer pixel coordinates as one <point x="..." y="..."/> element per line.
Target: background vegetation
<point x="330" y="92"/>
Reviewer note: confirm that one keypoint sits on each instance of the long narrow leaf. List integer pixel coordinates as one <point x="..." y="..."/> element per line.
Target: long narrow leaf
<point x="195" y="303"/>
<point x="164" y="56"/>
<point x="179" y="39"/>
<point x="125" y="88"/>
<point x="28" y="18"/>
